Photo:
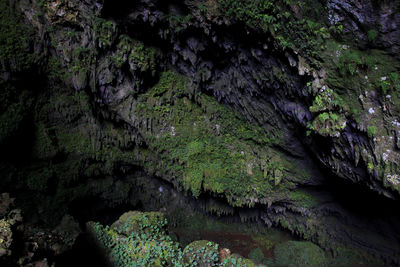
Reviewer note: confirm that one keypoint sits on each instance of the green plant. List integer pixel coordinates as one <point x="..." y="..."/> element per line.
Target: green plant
<point x="16" y="52"/>
<point x="370" y="166"/>
<point x="71" y="34"/>
<point x="303" y="197"/>
<point x="349" y="61"/>
<point x="394" y="79"/>
<point x="104" y="31"/>
<point x="140" y="239"/>
<point x="328" y="124"/>
<point x="195" y="144"/>
<point x="325" y="100"/>
<point x="302" y="254"/>
<point x="390" y="83"/>
<point x="276" y="18"/>
<point x="371" y="131"/>
<point x="372" y="34"/>
<point x="256" y="255"/>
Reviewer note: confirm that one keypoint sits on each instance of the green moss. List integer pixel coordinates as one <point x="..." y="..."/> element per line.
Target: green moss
<point x="390" y="83"/>
<point x="178" y="22"/>
<point x="349" y="62"/>
<point x="295" y="253"/>
<point x="201" y="253"/>
<point x="372" y="34"/>
<point x="140" y="239"/>
<point x="325" y="100"/>
<point x="353" y="257"/>
<point x="279" y="19"/>
<point x="55" y="71"/>
<point x="11" y="120"/>
<point x="303" y="198"/>
<point x="209" y="147"/>
<point x="104" y="32"/>
<point x="236" y="260"/>
<point x="149" y="223"/>
<point x="363" y="71"/>
<point x="328" y="124"/>
<point x="137" y="248"/>
<point x="83" y="59"/>
<point x="256" y="255"/>
<point x="15" y="38"/>
<point x="371" y="131"/>
<point x="139" y="56"/>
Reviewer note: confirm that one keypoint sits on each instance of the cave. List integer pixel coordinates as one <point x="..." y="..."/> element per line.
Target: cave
<point x="199" y="133"/>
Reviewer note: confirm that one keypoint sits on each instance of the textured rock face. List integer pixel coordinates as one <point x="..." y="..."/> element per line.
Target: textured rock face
<point x="222" y="98"/>
<point x="362" y="18"/>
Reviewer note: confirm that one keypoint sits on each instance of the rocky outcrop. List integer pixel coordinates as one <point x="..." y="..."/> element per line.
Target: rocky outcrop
<point x="255" y="104"/>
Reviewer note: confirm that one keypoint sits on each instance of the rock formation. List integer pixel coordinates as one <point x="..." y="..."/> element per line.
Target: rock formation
<point x="288" y="110"/>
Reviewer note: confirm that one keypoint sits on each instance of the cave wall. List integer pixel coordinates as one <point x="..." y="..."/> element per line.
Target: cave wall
<point x="256" y="104"/>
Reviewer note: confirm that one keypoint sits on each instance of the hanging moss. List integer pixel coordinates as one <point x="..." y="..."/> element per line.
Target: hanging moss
<point x="206" y="145"/>
<point x="281" y="21"/>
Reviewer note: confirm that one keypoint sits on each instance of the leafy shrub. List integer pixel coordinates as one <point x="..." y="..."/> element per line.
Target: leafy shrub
<point x="328" y="124"/>
<point x="256" y="255"/>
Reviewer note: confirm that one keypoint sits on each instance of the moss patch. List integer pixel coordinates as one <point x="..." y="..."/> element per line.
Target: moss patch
<point x="296" y="253"/>
<point x="208" y="146"/>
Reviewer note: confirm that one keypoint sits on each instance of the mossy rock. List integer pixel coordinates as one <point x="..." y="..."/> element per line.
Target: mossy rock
<point x="352" y="257"/>
<point x="235" y="260"/>
<point x="153" y="223"/>
<point x="201" y="253"/>
<point x="256" y="255"/>
<point x="137" y="249"/>
<point x="299" y="253"/>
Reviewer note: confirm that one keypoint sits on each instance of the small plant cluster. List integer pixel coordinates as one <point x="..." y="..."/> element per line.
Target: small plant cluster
<point x="136" y="54"/>
<point x="104" y="32"/>
<point x="351" y="60"/>
<point x="305" y="198"/>
<point x="202" y="253"/>
<point x="391" y="83"/>
<point x="328" y="121"/>
<point x="372" y="35"/>
<point x="178" y="22"/>
<point x="140" y="239"/>
<point x="277" y="17"/>
<point x="326" y="99"/>
<point x="295" y="253"/>
<point x="83" y="59"/>
<point x="328" y="124"/>
<point x="371" y="131"/>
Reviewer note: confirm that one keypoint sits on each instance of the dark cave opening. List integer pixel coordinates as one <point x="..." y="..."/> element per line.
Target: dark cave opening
<point x="97" y="209"/>
<point x="85" y="252"/>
